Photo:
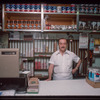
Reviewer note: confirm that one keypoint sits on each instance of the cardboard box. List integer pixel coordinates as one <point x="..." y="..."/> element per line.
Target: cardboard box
<point x="33" y="85"/>
<point x="93" y="84"/>
<point x="33" y="82"/>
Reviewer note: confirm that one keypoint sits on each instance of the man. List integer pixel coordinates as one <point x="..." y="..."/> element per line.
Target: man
<point x="61" y="63"/>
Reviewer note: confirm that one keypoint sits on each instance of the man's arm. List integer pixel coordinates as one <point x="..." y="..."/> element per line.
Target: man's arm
<point x="50" y="71"/>
<point x="77" y="66"/>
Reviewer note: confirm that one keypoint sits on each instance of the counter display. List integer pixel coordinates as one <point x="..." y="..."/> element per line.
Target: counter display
<point x="76" y="87"/>
<point x="61" y="89"/>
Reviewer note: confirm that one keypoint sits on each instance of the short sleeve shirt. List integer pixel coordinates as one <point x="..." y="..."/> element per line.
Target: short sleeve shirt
<point x="63" y="64"/>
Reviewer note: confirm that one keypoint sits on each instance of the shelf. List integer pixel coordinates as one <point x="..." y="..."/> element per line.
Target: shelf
<point x="23" y="15"/>
<point x="96" y="54"/>
<point x="20" y="12"/>
<point x="41" y="69"/>
<point x="60" y="13"/>
<point x="53" y="18"/>
<point x="42" y="56"/>
<point x="60" y="30"/>
<point x="43" y="52"/>
<point x="20" y="40"/>
<point x="89" y="31"/>
<point x="89" y="14"/>
<point x="96" y="44"/>
<point x="61" y="16"/>
<point x="28" y="30"/>
<point x="30" y="40"/>
<point x="28" y="60"/>
<point x="47" y="39"/>
<point x="26" y="57"/>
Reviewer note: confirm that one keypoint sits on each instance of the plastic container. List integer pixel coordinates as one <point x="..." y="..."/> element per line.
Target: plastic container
<point x="94" y="74"/>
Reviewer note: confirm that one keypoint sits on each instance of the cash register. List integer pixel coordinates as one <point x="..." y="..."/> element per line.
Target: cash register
<point x="9" y="71"/>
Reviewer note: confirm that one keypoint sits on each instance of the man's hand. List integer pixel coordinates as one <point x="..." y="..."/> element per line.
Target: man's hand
<point x="74" y="70"/>
<point x="48" y="79"/>
<point x="77" y="66"/>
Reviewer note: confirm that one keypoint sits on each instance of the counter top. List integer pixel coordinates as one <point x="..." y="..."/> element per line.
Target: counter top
<point x="76" y="87"/>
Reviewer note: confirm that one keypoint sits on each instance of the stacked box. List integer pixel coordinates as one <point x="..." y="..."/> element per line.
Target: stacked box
<point x="93" y="84"/>
<point x="33" y="85"/>
<point x="94" y="74"/>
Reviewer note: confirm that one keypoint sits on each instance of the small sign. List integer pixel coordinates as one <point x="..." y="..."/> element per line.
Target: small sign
<point x="83" y="41"/>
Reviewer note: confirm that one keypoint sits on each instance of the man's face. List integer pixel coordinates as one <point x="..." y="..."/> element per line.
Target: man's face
<point x="62" y="45"/>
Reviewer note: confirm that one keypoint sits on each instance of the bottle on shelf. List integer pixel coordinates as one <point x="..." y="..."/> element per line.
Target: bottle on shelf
<point x="22" y="26"/>
<point x="17" y="24"/>
<point x="98" y="25"/>
<point x="34" y="26"/>
<point x="30" y="24"/>
<point x="26" y="26"/>
<point x="8" y="24"/>
<point x="39" y="25"/>
<point x="32" y="7"/>
<point x="11" y="23"/>
<point x="87" y="26"/>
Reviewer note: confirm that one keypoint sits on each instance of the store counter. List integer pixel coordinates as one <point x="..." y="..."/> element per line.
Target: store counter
<point x="62" y="89"/>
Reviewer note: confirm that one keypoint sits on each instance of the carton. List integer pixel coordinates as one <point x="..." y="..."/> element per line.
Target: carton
<point x="93" y="84"/>
<point x="94" y="74"/>
<point x="33" y="85"/>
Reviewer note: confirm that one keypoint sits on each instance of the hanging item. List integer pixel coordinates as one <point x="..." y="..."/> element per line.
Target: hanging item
<point x="83" y="41"/>
<point x="91" y="44"/>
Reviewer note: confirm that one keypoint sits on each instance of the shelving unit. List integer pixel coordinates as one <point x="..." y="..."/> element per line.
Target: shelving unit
<point x="26" y="18"/>
<point x="69" y="21"/>
<point x="49" y="22"/>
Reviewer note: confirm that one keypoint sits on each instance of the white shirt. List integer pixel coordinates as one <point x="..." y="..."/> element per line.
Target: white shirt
<point x="63" y="64"/>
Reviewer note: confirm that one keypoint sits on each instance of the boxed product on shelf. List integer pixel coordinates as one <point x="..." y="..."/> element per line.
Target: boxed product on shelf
<point x="96" y="49"/>
<point x="93" y="84"/>
<point x="97" y="41"/>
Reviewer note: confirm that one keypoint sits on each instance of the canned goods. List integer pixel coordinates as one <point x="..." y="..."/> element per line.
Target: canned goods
<point x="38" y="8"/>
<point x="27" y="7"/>
<point x="45" y="7"/>
<point x="18" y="7"/>
<point x="90" y="9"/>
<point x="7" y="7"/>
<point x="59" y="9"/>
<point x="86" y="9"/>
<point x="95" y="10"/>
<point x="63" y="9"/>
<point x="12" y="7"/>
<point x="68" y="10"/>
<point x="49" y="9"/>
<point x="32" y="7"/>
<point x="82" y="9"/>
<point x="22" y="7"/>
<point x="72" y="9"/>
<point x="54" y="9"/>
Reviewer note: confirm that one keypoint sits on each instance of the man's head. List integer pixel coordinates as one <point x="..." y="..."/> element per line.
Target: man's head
<point x="62" y="44"/>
